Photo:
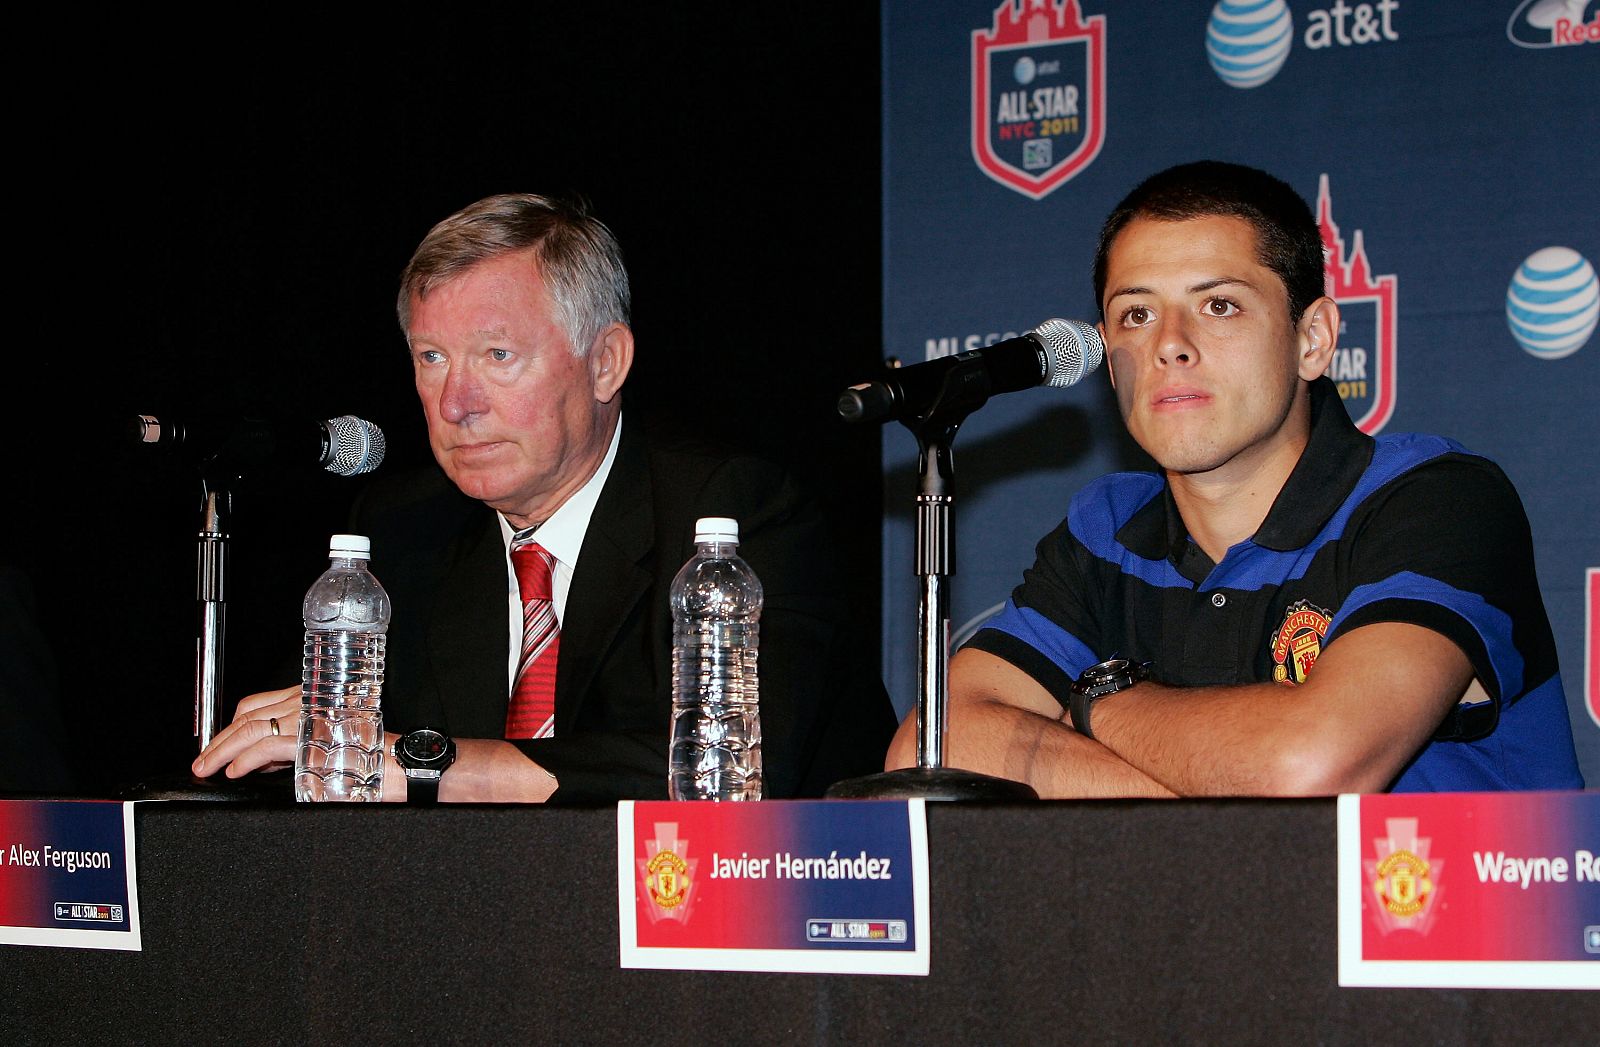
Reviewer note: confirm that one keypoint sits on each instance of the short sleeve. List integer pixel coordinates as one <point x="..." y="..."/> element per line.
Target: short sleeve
<point x="1047" y="629"/>
<point x="1447" y="547"/>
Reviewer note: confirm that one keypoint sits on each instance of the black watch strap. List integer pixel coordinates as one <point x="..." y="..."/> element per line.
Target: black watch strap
<point x="1097" y="682"/>
<point x="422" y="791"/>
<point x="423" y="756"/>
<point x="1078" y="705"/>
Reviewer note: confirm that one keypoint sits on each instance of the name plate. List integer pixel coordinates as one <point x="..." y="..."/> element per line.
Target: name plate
<point x="67" y="874"/>
<point x="1470" y="890"/>
<point x="816" y="887"/>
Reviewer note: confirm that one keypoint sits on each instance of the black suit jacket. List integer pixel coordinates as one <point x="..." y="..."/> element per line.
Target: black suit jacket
<point x="439" y="554"/>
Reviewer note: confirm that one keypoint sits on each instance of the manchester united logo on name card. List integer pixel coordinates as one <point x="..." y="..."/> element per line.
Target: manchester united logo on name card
<point x="668" y="874"/>
<point x="1404" y="878"/>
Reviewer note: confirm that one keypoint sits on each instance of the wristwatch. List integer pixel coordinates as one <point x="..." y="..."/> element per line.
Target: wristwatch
<point x="424" y="755"/>
<point x="1097" y="681"/>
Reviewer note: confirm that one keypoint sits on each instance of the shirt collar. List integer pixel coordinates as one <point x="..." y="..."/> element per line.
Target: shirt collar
<point x="1335" y="456"/>
<point x="562" y="534"/>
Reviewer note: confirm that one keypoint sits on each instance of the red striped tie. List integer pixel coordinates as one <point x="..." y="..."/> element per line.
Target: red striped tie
<point x="532" y="713"/>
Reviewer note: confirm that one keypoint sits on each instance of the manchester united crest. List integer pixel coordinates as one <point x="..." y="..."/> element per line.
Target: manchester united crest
<point x="667" y="879"/>
<point x="1403" y="879"/>
<point x="1298" y="642"/>
<point x="1038" y="94"/>
<point x="667" y="875"/>
<point x="1402" y="884"/>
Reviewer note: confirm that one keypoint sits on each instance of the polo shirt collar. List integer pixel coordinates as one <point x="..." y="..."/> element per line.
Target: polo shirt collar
<point x="1336" y="455"/>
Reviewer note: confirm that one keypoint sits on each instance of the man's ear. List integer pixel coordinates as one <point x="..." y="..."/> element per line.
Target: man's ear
<point x="610" y="360"/>
<point x="1316" y="337"/>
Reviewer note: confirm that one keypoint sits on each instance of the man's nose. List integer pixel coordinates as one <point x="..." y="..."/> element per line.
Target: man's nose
<point x="1173" y="345"/>
<point x="462" y="395"/>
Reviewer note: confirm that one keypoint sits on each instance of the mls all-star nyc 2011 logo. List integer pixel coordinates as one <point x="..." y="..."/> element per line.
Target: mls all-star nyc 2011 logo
<point x="1591" y="643"/>
<point x="1363" y="365"/>
<point x="1038" y="94"/>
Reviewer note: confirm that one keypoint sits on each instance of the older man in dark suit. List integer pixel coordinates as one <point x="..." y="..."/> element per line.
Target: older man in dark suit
<point x="516" y="312"/>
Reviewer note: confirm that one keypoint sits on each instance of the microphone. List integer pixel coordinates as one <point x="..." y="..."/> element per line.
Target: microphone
<point x="1058" y="353"/>
<point x="347" y="445"/>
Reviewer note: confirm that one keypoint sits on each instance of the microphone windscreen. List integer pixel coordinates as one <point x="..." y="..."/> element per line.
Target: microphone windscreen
<point x="1073" y="348"/>
<point x="355" y="445"/>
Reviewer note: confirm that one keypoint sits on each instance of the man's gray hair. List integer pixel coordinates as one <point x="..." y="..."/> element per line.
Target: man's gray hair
<point x="578" y="257"/>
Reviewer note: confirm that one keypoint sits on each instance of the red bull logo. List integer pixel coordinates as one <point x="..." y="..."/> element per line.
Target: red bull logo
<point x="1553" y="23"/>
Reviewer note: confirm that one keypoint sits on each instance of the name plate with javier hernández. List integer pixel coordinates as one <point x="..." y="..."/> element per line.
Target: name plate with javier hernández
<point x="67" y="874"/>
<point x="1470" y="890"/>
<point x="807" y="886"/>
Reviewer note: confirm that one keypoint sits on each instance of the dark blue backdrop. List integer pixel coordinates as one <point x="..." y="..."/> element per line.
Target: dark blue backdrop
<point x="1451" y="148"/>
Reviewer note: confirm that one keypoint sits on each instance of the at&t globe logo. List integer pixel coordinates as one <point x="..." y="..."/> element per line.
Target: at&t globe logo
<point x="1248" y="41"/>
<point x="1553" y="303"/>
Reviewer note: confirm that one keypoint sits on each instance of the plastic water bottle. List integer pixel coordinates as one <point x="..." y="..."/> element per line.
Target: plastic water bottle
<point x="340" y="755"/>
<point x="716" y="719"/>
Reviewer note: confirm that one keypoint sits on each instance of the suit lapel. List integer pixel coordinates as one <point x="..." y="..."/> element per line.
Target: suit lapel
<point x="468" y="639"/>
<point x="611" y="577"/>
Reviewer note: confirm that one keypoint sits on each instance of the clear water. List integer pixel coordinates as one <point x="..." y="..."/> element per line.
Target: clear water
<point x="340" y="751"/>
<point x="716" y="722"/>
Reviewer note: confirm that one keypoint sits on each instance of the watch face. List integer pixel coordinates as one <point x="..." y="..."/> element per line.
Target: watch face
<point x="424" y="746"/>
<point x="1110" y="667"/>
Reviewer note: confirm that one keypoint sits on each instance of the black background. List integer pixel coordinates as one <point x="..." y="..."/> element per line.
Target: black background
<point x="214" y="220"/>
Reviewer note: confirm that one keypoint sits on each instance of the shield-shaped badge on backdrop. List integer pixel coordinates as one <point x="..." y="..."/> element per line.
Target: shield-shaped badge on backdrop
<point x="1038" y="94"/>
<point x="1363" y="366"/>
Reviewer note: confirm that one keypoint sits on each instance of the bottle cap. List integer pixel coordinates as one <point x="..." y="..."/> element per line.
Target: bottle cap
<point x="716" y="529"/>
<point x="350" y="547"/>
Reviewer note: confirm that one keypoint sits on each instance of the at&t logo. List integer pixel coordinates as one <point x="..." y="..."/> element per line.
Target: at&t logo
<point x="1247" y="41"/>
<point x="1553" y="303"/>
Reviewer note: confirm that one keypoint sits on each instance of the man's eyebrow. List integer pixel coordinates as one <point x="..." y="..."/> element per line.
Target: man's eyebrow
<point x="1199" y="288"/>
<point x="1208" y="285"/>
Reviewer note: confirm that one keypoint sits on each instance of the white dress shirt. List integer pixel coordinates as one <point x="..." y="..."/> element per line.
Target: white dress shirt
<point x="562" y="537"/>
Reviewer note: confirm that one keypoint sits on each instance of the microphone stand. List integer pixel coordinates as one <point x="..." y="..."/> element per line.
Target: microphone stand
<point x="211" y="560"/>
<point x="350" y="447"/>
<point x="966" y="387"/>
<point x="210" y="590"/>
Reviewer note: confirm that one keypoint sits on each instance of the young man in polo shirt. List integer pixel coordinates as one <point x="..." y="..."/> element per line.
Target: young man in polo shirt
<point x="1292" y="607"/>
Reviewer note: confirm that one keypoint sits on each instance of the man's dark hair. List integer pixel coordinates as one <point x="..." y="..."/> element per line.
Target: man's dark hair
<point x="1287" y="238"/>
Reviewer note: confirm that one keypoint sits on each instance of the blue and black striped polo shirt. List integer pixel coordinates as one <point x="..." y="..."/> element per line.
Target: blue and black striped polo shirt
<point x="1402" y="528"/>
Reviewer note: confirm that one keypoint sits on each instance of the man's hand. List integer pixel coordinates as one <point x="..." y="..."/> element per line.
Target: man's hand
<point x="486" y="770"/>
<point x="1375" y="697"/>
<point x="1002" y="722"/>
<point x="260" y="738"/>
<point x="1371" y="703"/>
